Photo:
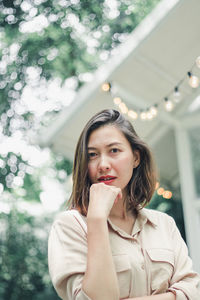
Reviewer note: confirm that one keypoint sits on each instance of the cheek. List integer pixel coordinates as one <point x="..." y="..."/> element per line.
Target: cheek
<point x="91" y="170"/>
<point x="125" y="163"/>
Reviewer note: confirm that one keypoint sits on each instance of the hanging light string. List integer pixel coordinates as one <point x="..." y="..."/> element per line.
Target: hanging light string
<point x="172" y="99"/>
<point x="167" y="194"/>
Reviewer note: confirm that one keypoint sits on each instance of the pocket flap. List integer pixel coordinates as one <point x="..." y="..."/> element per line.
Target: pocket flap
<point x="161" y="255"/>
<point x="121" y="262"/>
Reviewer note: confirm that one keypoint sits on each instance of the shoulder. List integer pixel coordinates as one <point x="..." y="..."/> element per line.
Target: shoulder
<point x="68" y="215"/>
<point x="158" y="217"/>
<point x="70" y="219"/>
<point x="155" y="213"/>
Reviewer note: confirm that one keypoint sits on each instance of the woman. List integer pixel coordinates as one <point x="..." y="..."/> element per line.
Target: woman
<point x="107" y="246"/>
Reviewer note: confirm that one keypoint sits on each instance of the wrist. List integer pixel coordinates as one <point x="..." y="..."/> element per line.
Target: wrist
<point x="100" y="219"/>
<point x="97" y="227"/>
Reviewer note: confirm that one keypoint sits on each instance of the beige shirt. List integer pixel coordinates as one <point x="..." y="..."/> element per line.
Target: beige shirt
<point x="152" y="260"/>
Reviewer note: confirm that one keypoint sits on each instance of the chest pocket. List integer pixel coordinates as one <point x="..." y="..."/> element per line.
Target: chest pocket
<point x="161" y="262"/>
<point x="123" y="269"/>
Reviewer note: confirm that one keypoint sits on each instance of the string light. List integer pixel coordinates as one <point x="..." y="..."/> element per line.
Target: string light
<point x="198" y="61"/>
<point x="132" y="114"/>
<point x="160" y="191"/>
<point x="172" y="99"/>
<point x="117" y="100"/>
<point x="106" y="87"/>
<point x="193" y="80"/>
<point x="123" y="108"/>
<point x="157" y="185"/>
<point x="153" y="110"/>
<point x="143" y="115"/>
<point x="149" y="115"/>
<point x="167" y="194"/>
<point x="168" y="104"/>
<point x="176" y="95"/>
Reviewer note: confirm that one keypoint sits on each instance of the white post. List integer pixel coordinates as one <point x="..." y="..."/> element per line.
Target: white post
<point x="189" y="197"/>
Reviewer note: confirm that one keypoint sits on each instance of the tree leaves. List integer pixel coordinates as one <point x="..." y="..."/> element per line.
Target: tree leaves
<point x="40" y="27"/>
<point x="24" y="258"/>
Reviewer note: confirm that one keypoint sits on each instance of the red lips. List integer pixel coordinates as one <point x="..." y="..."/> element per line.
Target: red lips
<point x="107" y="179"/>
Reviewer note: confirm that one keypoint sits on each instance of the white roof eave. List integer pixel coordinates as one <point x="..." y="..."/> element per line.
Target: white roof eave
<point x="136" y="38"/>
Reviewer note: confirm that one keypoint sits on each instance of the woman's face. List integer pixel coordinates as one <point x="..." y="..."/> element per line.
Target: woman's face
<point x="111" y="159"/>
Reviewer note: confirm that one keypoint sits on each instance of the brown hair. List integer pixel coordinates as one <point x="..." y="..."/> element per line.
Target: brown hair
<point x="142" y="184"/>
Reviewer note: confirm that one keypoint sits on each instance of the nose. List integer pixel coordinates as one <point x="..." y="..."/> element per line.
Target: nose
<point x="104" y="164"/>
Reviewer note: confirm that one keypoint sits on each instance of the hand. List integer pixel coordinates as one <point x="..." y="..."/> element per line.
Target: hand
<point x="102" y="198"/>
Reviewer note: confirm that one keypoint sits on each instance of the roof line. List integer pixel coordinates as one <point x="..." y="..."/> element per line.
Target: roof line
<point x="123" y="51"/>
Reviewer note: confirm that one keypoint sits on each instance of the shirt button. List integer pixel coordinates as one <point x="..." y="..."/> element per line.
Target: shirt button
<point x="142" y="266"/>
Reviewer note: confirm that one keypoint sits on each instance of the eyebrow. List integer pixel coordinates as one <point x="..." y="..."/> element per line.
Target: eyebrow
<point x="108" y="146"/>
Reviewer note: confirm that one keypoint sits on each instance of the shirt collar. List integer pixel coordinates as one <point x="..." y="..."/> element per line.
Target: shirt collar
<point x="143" y="218"/>
<point x="145" y="215"/>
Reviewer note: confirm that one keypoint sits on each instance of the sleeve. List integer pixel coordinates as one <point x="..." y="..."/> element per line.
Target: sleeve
<point x="67" y="257"/>
<point x="185" y="283"/>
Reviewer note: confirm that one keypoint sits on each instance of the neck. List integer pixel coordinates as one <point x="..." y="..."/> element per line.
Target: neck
<point x="119" y="209"/>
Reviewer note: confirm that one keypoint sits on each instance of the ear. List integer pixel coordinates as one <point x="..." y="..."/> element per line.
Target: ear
<point x="136" y="158"/>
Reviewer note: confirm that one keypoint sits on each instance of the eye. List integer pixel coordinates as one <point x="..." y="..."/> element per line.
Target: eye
<point x="114" y="150"/>
<point x="92" y="155"/>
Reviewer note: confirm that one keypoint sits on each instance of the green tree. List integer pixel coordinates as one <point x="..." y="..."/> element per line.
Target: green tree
<point x="57" y="39"/>
<point x="23" y="252"/>
<point x="172" y="207"/>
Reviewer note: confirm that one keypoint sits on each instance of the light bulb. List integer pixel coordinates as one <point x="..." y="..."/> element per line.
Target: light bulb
<point x="106" y="87"/>
<point x="177" y="95"/>
<point x="143" y="115"/>
<point x="168" y="105"/>
<point x="193" y="80"/>
<point x="117" y="100"/>
<point x="153" y="110"/>
<point x="157" y="185"/>
<point x="167" y="194"/>
<point x="160" y="191"/>
<point x="123" y="108"/>
<point x="149" y="115"/>
<point x="132" y="114"/>
<point x="198" y="61"/>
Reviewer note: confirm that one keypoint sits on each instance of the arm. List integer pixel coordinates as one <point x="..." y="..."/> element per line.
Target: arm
<point x="80" y="264"/>
<point x="165" y="296"/>
<point x="185" y="283"/>
<point x="67" y="253"/>
<point x="100" y="279"/>
<point x="72" y="276"/>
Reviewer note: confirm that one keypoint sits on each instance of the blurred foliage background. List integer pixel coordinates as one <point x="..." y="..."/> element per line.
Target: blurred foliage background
<point x="47" y="46"/>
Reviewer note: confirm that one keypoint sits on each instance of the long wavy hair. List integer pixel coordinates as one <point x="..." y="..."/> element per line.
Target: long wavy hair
<point x="142" y="183"/>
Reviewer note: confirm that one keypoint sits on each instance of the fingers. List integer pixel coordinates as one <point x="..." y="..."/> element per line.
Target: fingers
<point x="103" y="197"/>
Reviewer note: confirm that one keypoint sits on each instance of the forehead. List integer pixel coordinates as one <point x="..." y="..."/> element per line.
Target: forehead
<point x="106" y="135"/>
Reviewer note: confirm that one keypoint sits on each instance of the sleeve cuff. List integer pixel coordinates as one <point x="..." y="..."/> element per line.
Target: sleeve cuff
<point x="178" y="293"/>
<point x="82" y="296"/>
